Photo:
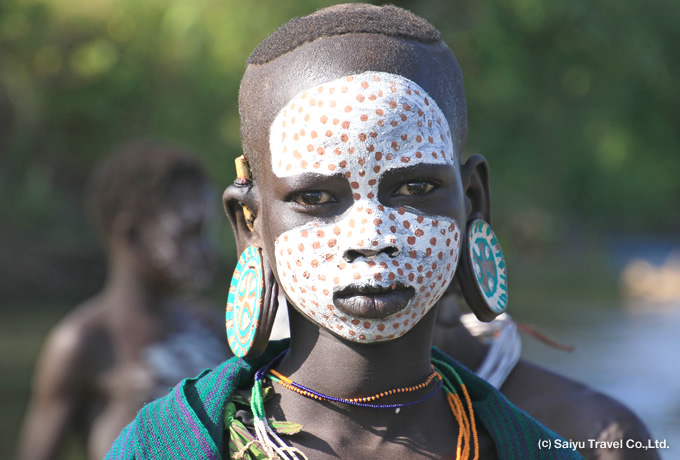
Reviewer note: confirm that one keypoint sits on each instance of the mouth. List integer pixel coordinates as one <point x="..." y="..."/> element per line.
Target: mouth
<point x="373" y="302"/>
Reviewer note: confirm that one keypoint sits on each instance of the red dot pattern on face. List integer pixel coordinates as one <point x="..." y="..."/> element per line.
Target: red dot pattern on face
<point x="377" y="122"/>
<point x="359" y="113"/>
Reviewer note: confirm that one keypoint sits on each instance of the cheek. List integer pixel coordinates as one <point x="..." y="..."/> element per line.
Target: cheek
<point x="303" y="257"/>
<point x="183" y="252"/>
<point x="162" y="248"/>
<point x="275" y="247"/>
<point x="310" y="260"/>
<point x="430" y="255"/>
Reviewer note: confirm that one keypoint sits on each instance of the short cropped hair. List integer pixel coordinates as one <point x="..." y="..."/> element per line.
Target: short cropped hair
<point x="392" y="40"/>
<point x="135" y="179"/>
<point x="350" y="18"/>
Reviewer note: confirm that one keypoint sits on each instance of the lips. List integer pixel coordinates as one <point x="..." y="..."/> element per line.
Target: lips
<point x="373" y="302"/>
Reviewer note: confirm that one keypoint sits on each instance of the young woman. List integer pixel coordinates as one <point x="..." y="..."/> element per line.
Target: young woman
<point x="353" y="200"/>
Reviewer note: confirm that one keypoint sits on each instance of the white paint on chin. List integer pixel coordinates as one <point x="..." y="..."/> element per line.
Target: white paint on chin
<point x="362" y="126"/>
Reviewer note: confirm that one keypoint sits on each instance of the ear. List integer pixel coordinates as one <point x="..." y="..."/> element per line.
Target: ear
<point x="475" y="175"/>
<point x="125" y="231"/>
<point x="235" y="198"/>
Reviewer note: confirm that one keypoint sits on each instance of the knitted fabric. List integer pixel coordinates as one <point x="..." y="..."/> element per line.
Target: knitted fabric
<point x="188" y="422"/>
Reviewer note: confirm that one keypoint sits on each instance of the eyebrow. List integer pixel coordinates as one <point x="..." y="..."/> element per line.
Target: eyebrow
<point x="428" y="168"/>
<point x="311" y="177"/>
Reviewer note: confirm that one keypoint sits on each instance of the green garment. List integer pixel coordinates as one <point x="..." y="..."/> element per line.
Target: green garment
<point x="188" y="423"/>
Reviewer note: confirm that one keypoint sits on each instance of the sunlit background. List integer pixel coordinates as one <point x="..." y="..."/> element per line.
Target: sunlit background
<point x="575" y="103"/>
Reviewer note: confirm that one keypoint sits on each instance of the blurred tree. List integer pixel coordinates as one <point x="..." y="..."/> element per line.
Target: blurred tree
<point x="573" y="102"/>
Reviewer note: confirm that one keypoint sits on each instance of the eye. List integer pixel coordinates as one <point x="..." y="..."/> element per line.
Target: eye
<point x="419" y="187"/>
<point x="313" y="198"/>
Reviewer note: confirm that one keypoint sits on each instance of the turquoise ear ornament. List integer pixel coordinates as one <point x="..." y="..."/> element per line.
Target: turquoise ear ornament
<point x="482" y="272"/>
<point x="245" y="302"/>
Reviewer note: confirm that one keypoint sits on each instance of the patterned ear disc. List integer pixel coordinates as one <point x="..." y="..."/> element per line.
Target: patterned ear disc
<point x="484" y="277"/>
<point x="245" y="301"/>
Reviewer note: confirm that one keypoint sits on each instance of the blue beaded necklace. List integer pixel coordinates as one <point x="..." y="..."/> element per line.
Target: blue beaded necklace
<point x="284" y="381"/>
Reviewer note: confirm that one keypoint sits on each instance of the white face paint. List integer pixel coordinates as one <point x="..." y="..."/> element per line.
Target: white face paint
<point x="362" y="126"/>
<point x="175" y="238"/>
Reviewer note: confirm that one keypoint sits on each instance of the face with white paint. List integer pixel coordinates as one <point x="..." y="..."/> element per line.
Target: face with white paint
<point x="366" y="204"/>
<point x="174" y="248"/>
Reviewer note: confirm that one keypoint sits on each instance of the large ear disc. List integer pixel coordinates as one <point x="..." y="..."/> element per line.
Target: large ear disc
<point x="482" y="272"/>
<point x="251" y="305"/>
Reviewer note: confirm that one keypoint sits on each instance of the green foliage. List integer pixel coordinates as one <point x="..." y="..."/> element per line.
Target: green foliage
<point x="85" y="76"/>
<point x="572" y="102"/>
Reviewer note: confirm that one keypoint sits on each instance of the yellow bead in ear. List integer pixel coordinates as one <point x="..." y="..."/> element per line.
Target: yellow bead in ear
<point x="243" y="175"/>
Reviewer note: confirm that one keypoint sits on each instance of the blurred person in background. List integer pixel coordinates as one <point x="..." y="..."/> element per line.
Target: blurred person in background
<point x="139" y="335"/>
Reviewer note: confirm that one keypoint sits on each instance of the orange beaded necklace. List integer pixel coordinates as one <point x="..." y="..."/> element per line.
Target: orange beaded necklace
<point x="284" y="381"/>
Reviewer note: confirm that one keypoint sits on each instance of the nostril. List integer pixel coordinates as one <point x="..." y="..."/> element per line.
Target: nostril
<point x="392" y="251"/>
<point x="353" y="254"/>
<point x="350" y="256"/>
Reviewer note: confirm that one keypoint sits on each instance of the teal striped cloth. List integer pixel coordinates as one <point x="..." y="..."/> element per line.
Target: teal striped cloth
<point x="188" y="423"/>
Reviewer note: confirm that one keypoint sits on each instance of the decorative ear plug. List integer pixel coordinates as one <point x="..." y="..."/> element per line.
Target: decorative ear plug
<point x="251" y="307"/>
<point x="482" y="272"/>
<point x="243" y="179"/>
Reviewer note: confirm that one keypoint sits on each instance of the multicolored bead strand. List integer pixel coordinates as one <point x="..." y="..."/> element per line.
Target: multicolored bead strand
<point x="467" y="437"/>
<point x="467" y="442"/>
<point x="269" y="440"/>
<point x="363" y="401"/>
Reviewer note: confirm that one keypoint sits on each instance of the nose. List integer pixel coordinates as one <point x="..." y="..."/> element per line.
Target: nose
<point x="369" y="237"/>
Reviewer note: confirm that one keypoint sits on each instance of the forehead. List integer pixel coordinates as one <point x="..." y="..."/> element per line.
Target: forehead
<point x="265" y="89"/>
<point x="374" y="119"/>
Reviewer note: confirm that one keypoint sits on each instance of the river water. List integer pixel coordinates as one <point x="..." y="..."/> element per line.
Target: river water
<point x="631" y="353"/>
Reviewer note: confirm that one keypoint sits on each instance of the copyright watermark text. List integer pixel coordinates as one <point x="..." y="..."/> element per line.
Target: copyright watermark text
<point x="596" y="444"/>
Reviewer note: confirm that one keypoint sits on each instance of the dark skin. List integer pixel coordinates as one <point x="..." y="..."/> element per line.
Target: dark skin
<point x="318" y="358"/>
<point x="571" y="409"/>
<point x="92" y="376"/>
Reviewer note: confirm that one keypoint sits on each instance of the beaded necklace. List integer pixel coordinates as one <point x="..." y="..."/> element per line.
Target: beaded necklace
<point x="361" y="402"/>
<point x="271" y="443"/>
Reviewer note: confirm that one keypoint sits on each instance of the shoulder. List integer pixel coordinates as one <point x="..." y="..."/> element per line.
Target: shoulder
<point x="515" y="433"/>
<point x="572" y="409"/>
<point x="185" y="423"/>
<point x="124" y="446"/>
<point x="67" y="351"/>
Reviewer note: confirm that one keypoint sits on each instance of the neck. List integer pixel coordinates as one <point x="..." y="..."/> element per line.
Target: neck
<point x="129" y="292"/>
<point x="326" y="363"/>
<point x="451" y="336"/>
